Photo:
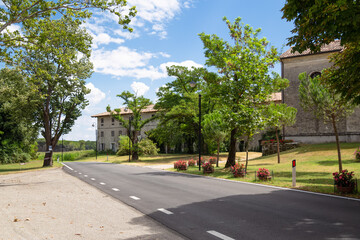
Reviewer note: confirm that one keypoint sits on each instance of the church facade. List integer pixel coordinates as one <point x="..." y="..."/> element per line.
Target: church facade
<point x="307" y="128"/>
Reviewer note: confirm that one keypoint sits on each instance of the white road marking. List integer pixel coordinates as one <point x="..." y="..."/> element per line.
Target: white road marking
<point x="80" y="173"/>
<point x="115" y="189"/>
<point x="85" y="175"/>
<point x="92" y="179"/>
<point x="134" y="197"/>
<point x="67" y="166"/>
<point x="101" y="183"/>
<point x="165" y="211"/>
<point x="219" y="235"/>
<point x="75" y="171"/>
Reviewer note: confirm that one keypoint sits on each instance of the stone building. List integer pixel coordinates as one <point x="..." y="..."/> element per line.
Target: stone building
<point x="109" y="129"/>
<point x="307" y="128"/>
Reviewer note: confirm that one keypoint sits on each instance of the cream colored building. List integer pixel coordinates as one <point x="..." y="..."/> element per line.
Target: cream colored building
<point x="109" y="129"/>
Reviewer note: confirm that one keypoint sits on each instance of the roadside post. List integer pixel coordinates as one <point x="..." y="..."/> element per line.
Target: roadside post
<point x="294" y="173"/>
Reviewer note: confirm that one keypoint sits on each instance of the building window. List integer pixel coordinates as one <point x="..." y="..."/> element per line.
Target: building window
<point x="102" y="147"/>
<point x="120" y="123"/>
<point x="152" y="115"/>
<point x="112" y="133"/>
<point x="102" y="121"/>
<point x="101" y="134"/>
<point x="113" y="147"/>
<point x="120" y="132"/>
<point x="112" y="121"/>
<point x="315" y="74"/>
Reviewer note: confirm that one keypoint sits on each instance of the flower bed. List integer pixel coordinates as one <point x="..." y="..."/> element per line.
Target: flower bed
<point x="238" y="170"/>
<point x="180" y="165"/>
<point x="357" y="154"/>
<point x="263" y="174"/>
<point x="212" y="160"/>
<point x="208" y="168"/>
<point x="344" y="181"/>
<point x="191" y="162"/>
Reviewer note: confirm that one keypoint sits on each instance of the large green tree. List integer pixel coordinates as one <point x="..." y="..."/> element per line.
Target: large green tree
<point x="136" y="104"/>
<point x="58" y="65"/>
<point x="325" y="103"/>
<point x="278" y="116"/>
<point x="244" y="68"/>
<point x="29" y="12"/>
<point x="319" y="22"/>
<point x="18" y="133"/>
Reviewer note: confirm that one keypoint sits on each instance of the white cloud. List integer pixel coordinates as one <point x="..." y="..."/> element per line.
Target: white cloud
<point x="95" y="96"/>
<point x="125" y="62"/>
<point x="139" y="88"/>
<point x="82" y="129"/>
<point x="104" y="38"/>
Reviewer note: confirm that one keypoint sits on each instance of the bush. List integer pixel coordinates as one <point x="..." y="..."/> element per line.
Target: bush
<point x="208" y="167"/>
<point x="263" y="174"/>
<point x="147" y="147"/>
<point x="344" y="179"/>
<point x="357" y="154"/>
<point x="212" y="160"/>
<point x="123" y="146"/>
<point x="191" y="162"/>
<point x="238" y="170"/>
<point x="180" y="165"/>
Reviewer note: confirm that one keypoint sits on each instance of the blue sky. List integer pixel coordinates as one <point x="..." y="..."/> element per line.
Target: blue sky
<point x="165" y="33"/>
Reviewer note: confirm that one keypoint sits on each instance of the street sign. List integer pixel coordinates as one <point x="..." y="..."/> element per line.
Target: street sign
<point x="293" y="163"/>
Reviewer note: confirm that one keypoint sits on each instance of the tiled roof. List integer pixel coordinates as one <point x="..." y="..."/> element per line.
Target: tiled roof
<point x="148" y="109"/>
<point x="331" y="47"/>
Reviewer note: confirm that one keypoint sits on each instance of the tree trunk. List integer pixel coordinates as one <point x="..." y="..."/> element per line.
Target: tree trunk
<point x="218" y="153"/>
<point x="135" y="152"/>
<point x="232" y="151"/>
<point x="278" y="144"/>
<point x="247" y="153"/>
<point x="48" y="161"/>
<point x="337" y="142"/>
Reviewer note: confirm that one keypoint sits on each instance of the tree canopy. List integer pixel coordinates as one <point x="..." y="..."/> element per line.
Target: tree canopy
<point x="136" y="104"/>
<point x="245" y="80"/>
<point x="28" y="13"/>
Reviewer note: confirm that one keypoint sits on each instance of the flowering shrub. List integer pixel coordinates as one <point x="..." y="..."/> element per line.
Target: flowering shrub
<point x="344" y="178"/>
<point x="212" y="160"/>
<point x="180" y="165"/>
<point x="207" y="167"/>
<point x="202" y="161"/>
<point x="263" y="174"/>
<point x="191" y="162"/>
<point x="238" y="170"/>
<point x="273" y="141"/>
<point x="357" y="154"/>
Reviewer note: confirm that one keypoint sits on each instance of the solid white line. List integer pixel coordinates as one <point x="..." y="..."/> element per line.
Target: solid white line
<point x="67" y="166"/>
<point x="115" y="189"/>
<point x="85" y="176"/>
<point x="165" y="211"/>
<point x="92" y="179"/>
<point x="134" y="197"/>
<point x="219" y="235"/>
<point x="102" y="183"/>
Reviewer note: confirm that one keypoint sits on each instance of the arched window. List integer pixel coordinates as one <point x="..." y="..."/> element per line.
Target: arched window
<point x="315" y="74"/>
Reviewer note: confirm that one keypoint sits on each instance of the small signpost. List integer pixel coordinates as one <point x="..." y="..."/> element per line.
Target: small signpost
<point x="294" y="173"/>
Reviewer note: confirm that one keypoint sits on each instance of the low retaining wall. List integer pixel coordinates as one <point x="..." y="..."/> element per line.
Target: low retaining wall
<point x="271" y="148"/>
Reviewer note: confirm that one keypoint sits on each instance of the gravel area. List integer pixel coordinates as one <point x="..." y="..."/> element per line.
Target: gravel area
<point x="50" y="204"/>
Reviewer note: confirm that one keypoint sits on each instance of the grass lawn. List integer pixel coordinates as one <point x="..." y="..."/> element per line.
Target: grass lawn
<point x="315" y="165"/>
<point x="29" y="166"/>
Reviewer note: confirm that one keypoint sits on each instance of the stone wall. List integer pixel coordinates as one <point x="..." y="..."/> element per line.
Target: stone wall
<point x="271" y="148"/>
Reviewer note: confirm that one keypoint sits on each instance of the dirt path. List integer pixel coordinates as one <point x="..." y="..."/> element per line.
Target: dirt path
<point x="50" y="204"/>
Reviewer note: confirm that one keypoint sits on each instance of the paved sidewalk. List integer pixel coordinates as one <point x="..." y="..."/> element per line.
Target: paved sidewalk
<point x="50" y="204"/>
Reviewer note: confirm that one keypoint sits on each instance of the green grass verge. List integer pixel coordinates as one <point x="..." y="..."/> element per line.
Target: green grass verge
<point x="315" y="165"/>
<point x="28" y="166"/>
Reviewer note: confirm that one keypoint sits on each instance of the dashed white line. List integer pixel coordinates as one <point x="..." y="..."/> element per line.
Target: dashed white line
<point x="165" y="211"/>
<point x="115" y="189"/>
<point x="93" y="179"/>
<point x="102" y="183"/>
<point x="75" y="171"/>
<point x="80" y="173"/>
<point x="219" y="235"/>
<point x="134" y="197"/>
<point x="85" y="175"/>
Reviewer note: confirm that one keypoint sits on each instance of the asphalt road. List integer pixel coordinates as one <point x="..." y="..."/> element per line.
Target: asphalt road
<point x="204" y="208"/>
